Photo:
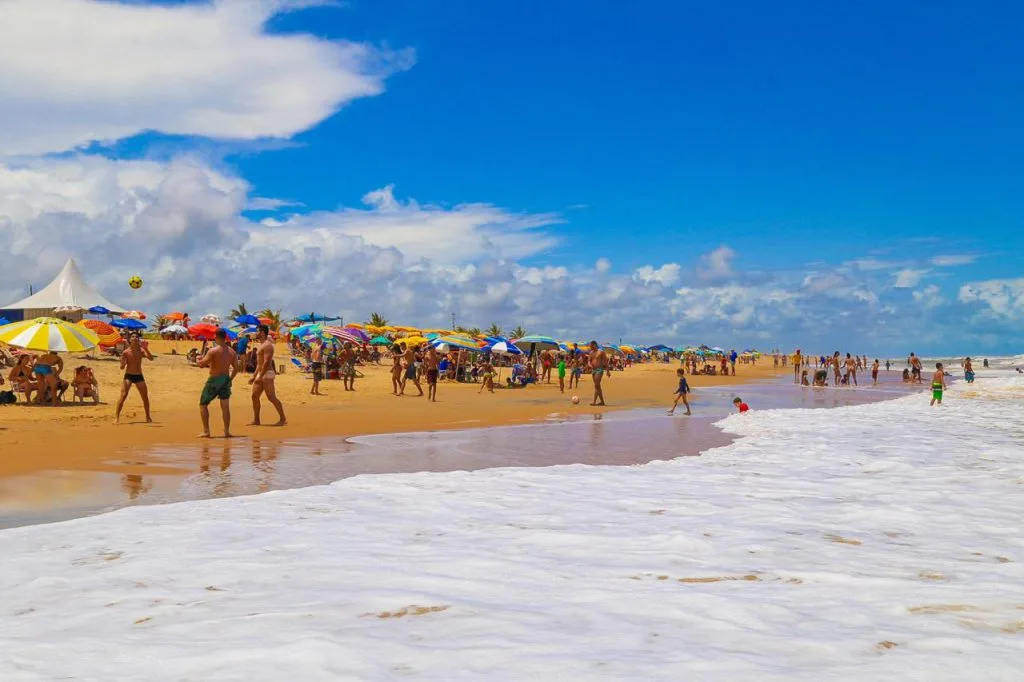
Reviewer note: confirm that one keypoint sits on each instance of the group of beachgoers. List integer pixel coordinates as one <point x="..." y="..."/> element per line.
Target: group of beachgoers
<point x="42" y="376"/>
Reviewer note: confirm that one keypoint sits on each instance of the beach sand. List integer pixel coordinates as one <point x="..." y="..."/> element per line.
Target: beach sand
<point x="35" y="439"/>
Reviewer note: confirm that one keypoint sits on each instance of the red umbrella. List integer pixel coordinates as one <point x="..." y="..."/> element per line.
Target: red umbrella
<point x="203" y="331"/>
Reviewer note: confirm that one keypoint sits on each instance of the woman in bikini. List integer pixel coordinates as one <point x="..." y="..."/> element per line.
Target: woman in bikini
<point x="396" y="370"/>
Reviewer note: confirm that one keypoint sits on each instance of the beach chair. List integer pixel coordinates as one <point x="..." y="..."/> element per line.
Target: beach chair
<point x="304" y="368"/>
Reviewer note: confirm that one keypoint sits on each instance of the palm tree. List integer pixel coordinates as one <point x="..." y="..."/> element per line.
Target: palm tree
<point x="160" y="322"/>
<point x="519" y="332"/>
<point x="239" y="311"/>
<point x="273" y="315"/>
<point x="494" y="330"/>
<point x="377" y="320"/>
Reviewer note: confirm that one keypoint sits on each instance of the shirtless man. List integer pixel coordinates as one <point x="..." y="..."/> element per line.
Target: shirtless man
<point x="836" y="370"/>
<point x="431" y="362"/>
<point x="223" y="364"/>
<point x="598" y="368"/>
<point x="851" y="369"/>
<point x="263" y="381"/>
<point x="410" y="371"/>
<point x="131" y="363"/>
<point x="47" y="369"/>
<point x="798" y="361"/>
<point x="938" y="384"/>
<point x="915" y="368"/>
<point x="316" y="358"/>
<point x="874" y="371"/>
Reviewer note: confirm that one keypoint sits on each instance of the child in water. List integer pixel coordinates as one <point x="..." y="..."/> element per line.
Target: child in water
<point x="938" y="384"/>
<point x="740" y="405"/>
<point x="681" y="392"/>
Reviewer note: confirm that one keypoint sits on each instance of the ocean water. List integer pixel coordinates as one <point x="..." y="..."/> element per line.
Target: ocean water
<point x="873" y="541"/>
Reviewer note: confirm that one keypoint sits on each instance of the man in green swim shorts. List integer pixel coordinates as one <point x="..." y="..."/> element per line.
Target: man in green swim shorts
<point x="223" y="364"/>
<point x="938" y="384"/>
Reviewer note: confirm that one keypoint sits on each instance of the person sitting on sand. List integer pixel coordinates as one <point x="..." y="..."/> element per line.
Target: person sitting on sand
<point x="131" y="363"/>
<point x="681" y="392"/>
<point x="47" y="369"/>
<point x="20" y="377"/>
<point x="85" y="385"/>
<point x="223" y="364"/>
<point x="263" y="380"/>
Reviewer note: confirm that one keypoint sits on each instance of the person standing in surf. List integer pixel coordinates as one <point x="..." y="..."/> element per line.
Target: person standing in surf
<point x="938" y="384"/>
<point x="598" y="367"/>
<point x="223" y="364"/>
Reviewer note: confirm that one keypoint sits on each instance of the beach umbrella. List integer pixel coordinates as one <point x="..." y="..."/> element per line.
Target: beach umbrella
<point x="535" y="342"/>
<point x="98" y="310"/>
<point x="442" y="348"/>
<point x="3" y="321"/>
<point x="248" y="320"/>
<point x="203" y="331"/>
<point x="49" y="334"/>
<point x="174" y="329"/>
<point x="210" y="318"/>
<point x="316" y="317"/>
<point x="504" y="348"/>
<point x="128" y="323"/>
<point x="306" y="329"/>
<point x="344" y="334"/>
<point x="381" y="341"/>
<point x="134" y="315"/>
<point x="413" y="340"/>
<point x="176" y="316"/>
<point x="108" y="336"/>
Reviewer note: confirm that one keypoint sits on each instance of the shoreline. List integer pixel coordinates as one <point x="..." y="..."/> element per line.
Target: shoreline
<point x="203" y="469"/>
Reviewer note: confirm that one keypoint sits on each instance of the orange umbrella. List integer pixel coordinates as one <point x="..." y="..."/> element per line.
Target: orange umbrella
<point x="175" y="316"/>
<point x="135" y="315"/>
<point x="109" y="337"/>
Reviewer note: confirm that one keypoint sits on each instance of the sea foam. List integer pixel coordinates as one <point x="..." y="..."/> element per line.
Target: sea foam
<point x="877" y="541"/>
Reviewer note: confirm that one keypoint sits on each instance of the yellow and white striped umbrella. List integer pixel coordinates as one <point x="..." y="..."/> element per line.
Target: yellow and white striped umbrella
<point x="49" y="333"/>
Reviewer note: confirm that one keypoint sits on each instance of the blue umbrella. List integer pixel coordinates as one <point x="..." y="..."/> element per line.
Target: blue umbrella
<point x="249" y="320"/>
<point x="99" y="310"/>
<point x="128" y="323"/>
<point x="3" y="321"/>
<point x="315" y="317"/>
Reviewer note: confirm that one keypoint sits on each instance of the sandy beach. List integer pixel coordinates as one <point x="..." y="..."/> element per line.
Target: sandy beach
<point x="35" y="439"/>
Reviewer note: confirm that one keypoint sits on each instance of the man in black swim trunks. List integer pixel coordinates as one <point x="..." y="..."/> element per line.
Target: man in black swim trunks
<point x="131" y="363"/>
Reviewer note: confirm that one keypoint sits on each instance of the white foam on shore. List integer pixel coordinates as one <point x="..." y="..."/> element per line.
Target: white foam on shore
<point x="879" y="541"/>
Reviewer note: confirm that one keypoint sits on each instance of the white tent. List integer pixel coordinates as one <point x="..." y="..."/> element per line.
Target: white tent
<point x="67" y="289"/>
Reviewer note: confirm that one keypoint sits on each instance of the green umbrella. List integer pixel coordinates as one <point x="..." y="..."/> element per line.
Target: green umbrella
<point x="381" y="341"/>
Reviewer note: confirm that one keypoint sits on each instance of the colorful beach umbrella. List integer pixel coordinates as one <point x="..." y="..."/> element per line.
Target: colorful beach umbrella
<point x="174" y="329"/>
<point x="134" y="315"/>
<point x="49" y="334"/>
<point x="203" y="331"/>
<point x="210" y="318"/>
<point x="247" y="320"/>
<point x="413" y="340"/>
<point x="128" y="323"/>
<point x="381" y="341"/>
<point x="108" y="336"/>
<point x="98" y="310"/>
<point x="345" y="334"/>
<point x="176" y="316"/>
<point x="535" y="342"/>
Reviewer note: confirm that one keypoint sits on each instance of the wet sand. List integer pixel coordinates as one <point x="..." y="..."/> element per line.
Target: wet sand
<point x="197" y="470"/>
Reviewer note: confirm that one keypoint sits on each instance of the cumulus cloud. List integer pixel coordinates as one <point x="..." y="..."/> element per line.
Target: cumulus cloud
<point x="78" y="71"/>
<point x="1001" y="298"/>
<point x="716" y="266"/>
<point x="908" y="278"/>
<point x="667" y="274"/>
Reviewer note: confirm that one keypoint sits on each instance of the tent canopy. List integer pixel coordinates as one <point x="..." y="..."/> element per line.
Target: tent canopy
<point x="68" y="288"/>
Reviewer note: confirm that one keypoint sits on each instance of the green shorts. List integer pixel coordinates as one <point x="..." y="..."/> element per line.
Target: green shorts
<point x="216" y="388"/>
<point x="936" y="391"/>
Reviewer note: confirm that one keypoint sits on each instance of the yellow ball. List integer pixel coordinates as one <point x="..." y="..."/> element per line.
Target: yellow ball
<point x="135" y="282"/>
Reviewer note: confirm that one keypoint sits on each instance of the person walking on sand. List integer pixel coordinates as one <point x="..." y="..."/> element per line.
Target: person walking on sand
<point x="396" y="370"/>
<point x="264" y="380"/>
<point x="487" y="377"/>
<point x="223" y="364"/>
<point x="410" y="371"/>
<point x="681" y="392"/>
<point x="348" y="366"/>
<point x="316" y="357"/>
<point x="131" y="363"/>
<point x="798" y="361"/>
<point x="938" y="384"/>
<point x="430" y="363"/>
<point x="598" y="368"/>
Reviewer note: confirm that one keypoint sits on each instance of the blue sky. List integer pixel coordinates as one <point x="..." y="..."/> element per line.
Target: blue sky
<point x="790" y="163"/>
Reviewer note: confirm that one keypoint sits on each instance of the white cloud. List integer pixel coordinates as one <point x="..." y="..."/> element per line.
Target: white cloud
<point x="717" y="265"/>
<point x="1004" y="298"/>
<point x="909" y="278"/>
<point x="78" y="71"/>
<point x="667" y="274"/>
<point x="929" y="296"/>
<point x="952" y="260"/>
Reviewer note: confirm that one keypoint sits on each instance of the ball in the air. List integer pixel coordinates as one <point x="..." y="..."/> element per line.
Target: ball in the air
<point x="575" y="400"/>
<point x="135" y="282"/>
